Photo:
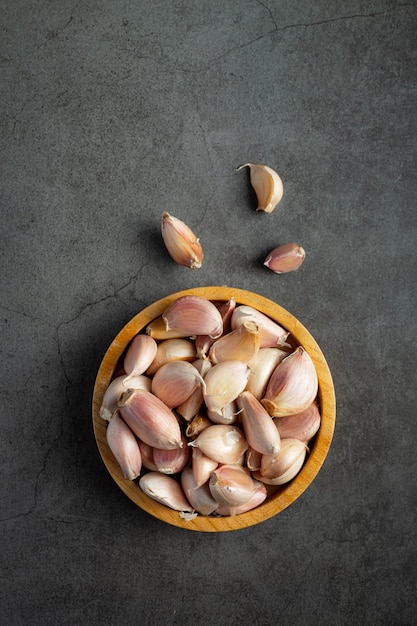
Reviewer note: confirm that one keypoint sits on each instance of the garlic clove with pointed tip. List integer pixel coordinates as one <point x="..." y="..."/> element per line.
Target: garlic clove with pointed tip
<point x="193" y="315"/>
<point x="258" y="426"/>
<point x="166" y="490"/>
<point x="181" y="243"/>
<point x="267" y="185"/>
<point x="221" y="443"/>
<point x="202" y="466"/>
<point x="116" y="388"/>
<point x="277" y="469"/>
<point x="261" y="367"/>
<point x="240" y="344"/>
<point x="124" y="446"/>
<point x="139" y="355"/>
<point x="199" y="496"/>
<point x="192" y="405"/>
<point x="224" y="382"/>
<point x="259" y="496"/>
<point x="302" y="426"/>
<point x="285" y="258"/>
<point x="174" y="382"/>
<point x="231" y="485"/>
<point x="271" y="334"/>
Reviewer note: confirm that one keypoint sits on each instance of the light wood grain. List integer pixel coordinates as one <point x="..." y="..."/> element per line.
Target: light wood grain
<point x="283" y="496"/>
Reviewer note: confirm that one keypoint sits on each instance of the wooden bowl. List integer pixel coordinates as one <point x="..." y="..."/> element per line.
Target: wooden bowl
<point x="284" y="495"/>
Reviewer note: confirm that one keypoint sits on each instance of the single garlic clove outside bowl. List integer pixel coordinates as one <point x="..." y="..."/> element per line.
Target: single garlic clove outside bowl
<point x="278" y="498"/>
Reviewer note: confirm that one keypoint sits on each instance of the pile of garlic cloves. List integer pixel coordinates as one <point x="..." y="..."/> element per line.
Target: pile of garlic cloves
<point x="211" y="408"/>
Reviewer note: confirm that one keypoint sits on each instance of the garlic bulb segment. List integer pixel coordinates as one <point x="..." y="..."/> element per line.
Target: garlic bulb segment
<point x="267" y="185"/>
<point x="231" y="485"/>
<point x="258" y="426"/>
<point x="171" y="461"/>
<point x="285" y="258"/>
<point x="181" y="243"/>
<point x="228" y="415"/>
<point x="261" y="367"/>
<point x="124" y="446"/>
<point x="203" y="342"/>
<point x="194" y="315"/>
<point x="199" y="496"/>
<point x="166" y="490"/>
<point x="196" y="426"/>
<point x="172" y="350"/>
<point x="156" y="329"/>
<point x="240" y="344"/>
<point x="192" y="405"/>
<point x="259" y="495"/>
<point x="271" y="334"/>
<point x="139" y="355"/>
<point x="222" y="443"/>
<point x="302" y="426"/>
<point x="282" y="467"/>
<point x="175" y="381"/>
<point x="147" y="456"/>
<point x="116" y="388"/>
<point x="253" y="459"/>
<point x="293" y="385"/>
<point x="224" y="382"/>
<point x="202" y="466"/>
<point x="150" y="419"/>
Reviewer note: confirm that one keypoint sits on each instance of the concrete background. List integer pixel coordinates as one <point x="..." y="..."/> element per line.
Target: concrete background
<point x="113" y="112"/>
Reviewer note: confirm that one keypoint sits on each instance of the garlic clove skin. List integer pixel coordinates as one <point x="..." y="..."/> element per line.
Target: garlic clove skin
<point x="116" y="388"/>
<point x="221" y="443"/>
<point x="203" y="342"/>
<point x="124" y="446"/>
<point x="267" y="185"/>
<point x="180" y="241"/>
<point x="231" y="485"/>
<point x="171" y="461"/>
<point x="156" y="329"/>
<point x="194" y="315"/>
<point x="202" y="466"/>
<point x="282" y="467"/>
<point x="166" y="490"/>
<point x="240" y="344"/>
<point x="258" y="426"/>
<point x="178" y="349"/>
<point x="197" y="425"/>
<point x="258" y="497"/>
<point x="285" y="258"/>
<point x="139" y="355"/>
<point x="302" y="426"/>
<point x="224" y="382"/>
<point x="261" y="367"/>
<point x="199" y="496"/>
<point x="150" y="419"/>
<point x="174" y="382"/>
<point x="293" y="385"/>
<point x="270" y="333"/>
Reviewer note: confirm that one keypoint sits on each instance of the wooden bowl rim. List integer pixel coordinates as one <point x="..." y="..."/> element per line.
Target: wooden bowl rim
<point x="287" y="493"/>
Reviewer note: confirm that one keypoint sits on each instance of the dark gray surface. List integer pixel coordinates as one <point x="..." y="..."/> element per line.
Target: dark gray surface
<point x="116" y="111"/>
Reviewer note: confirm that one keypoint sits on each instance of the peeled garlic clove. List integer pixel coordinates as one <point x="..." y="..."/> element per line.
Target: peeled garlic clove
<point x="180" y="241"/>
<point x="224" y="382"/>
<point x="221" y="443"/>
<point x="191" y="406"/>
<point x="116" y="388"/>
<point x="261" y="367"/>
<point x="285" y="258"/>
<point x="271" y="334"/>
<point x="282" y="467"/>
<point x="156" y="329"/>
<point x="258" y="426"/>
<point x="147" y="456"/>
<point x="199" y="496"/>
<point x="139" y="355"/>
<point x="124" y="446"/>
<point x="228" y="415"/>
<point x="194" y="315"/>
<point x="197" y="425"/>
<point x="203" y="342"/>
<point x="259" y="495"/>
<point x="231" y="485"/>
<point x="171" y="461"/>
<point x="293" y="385"/>
<point x="240" y="344"/>
<point x="202" y="466"/>
<point x="302" y="426"/>
<point x="150" y="419"/>
<point x="267" y="185"/>
<point x="175" y="381"/>
<point x="172" y="350"/>
<point x="166" y="490"/>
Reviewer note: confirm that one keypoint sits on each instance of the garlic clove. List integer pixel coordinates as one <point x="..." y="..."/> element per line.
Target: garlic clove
<point x="174" y="382"/>
<point x="224" y="382"/>
<point x="240" y="344"/>
<point x="172" y="350"/>
<point x="192" y="405"/>
<point x="199" y="496"/>
<point x="157" y="330"/>
<point x="171" y="461"/>
<point x="139" y="355"/>
<point x="231" y="485"/>
<point x="181" y="243"/>
<point x="150" y="419"/>
<point x="203" y="342"/>
<point x="194" y="315"/>
<point x="124" y="446"/>
<point x="221" y="443"/>
<point x="267" y="185"/>
<point x="202" y="466"/>
<point x="166" y="490"/>
<point x="258" y="426"/>
<point x="302" y="426"/>
<point x="283" y="466"/>
<point x="261" y="367"/>
<point x="285" y="258"/>
<point x="147" y="456"/>
<point x="259" y="495"/>
<point x="271" y="334"/>
<point x="197" y="425"/>
<point x="293" y="385"/>
<point x="116" y="388"/>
